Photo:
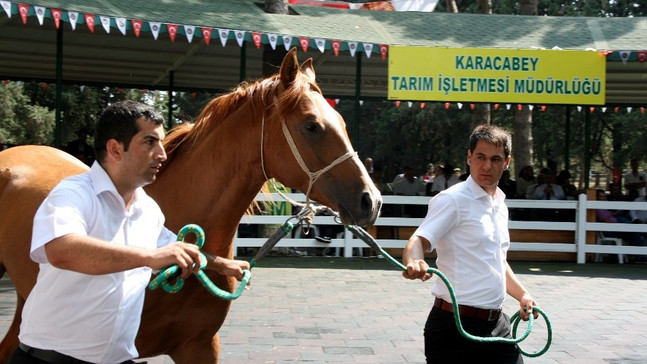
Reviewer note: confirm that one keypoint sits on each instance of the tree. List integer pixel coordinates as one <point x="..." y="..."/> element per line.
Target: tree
<point x="22" y="122"/>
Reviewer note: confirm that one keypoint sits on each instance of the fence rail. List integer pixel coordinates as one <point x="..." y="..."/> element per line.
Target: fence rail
<point x="579" y="227"/>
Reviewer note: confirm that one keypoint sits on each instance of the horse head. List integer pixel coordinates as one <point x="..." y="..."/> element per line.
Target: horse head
<point x="319" y="147"/>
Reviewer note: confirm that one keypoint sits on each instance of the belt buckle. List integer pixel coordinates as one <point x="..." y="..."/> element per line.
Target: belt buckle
<point x="493" y="315"/>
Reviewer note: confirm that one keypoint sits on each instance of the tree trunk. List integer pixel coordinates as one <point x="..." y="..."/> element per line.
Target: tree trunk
<point x="522" y="148"/>
<point x="481" y="113"/>
<point x="451" y="6"/>
<point x="272" y="58"/>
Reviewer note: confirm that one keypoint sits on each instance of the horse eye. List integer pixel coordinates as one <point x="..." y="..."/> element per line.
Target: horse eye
<point x="311" y="126"/>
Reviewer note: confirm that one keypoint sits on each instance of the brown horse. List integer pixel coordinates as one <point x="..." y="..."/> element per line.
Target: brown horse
<point x="214" y="170"/>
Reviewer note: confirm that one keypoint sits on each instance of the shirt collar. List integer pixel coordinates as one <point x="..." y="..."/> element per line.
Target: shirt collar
<point x="103" y="183"/>
<point x="479" y="192"/>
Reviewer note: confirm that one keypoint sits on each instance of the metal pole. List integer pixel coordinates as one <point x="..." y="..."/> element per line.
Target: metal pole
<point x="243" y="61"/>
<point x="587" y="146"/>
<point x="358" y="94"/>
<point x="171" y="84"/>
<point x="59" y="86"/>
<point x="567" y="137"/>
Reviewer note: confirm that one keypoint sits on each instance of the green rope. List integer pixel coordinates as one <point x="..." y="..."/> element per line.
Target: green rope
<point x="166" y="276"/>
<point x="514" y="320"/>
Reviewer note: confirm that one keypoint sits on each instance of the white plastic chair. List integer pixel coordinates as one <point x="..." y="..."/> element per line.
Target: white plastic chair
<point x="604" y="240"/>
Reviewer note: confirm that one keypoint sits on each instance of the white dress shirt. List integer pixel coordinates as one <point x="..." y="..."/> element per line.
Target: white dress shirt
<point x="90" y="317"/>
<point x="469" y="230"/>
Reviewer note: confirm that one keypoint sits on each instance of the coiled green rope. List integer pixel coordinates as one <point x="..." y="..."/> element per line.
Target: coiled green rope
<point x="514" y="320"/>
<point x="166" y="276"/>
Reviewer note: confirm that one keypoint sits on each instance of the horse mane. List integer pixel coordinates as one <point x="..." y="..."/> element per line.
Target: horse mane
<point x="259" y="93"/>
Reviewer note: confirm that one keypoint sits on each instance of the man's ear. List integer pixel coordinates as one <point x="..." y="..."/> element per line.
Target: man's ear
<point x="114" y="150"/>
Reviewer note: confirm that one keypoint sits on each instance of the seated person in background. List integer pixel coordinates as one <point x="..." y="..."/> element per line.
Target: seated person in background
<point x="444" y="179"/>
<point x="564" y="179"/>
<point x="408" y="184"/>
<point x="603" y="215"/>
<point x="638" y="216"/>
<point x="526" y="179"/>
<point x="549" y="190"/>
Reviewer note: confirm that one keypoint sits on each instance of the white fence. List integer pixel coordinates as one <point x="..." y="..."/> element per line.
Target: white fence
<point x="579" y="227"/>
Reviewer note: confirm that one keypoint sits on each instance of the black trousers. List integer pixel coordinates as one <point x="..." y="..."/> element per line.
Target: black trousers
<point x="445" y="345"/>
<point x="21" y="357"/>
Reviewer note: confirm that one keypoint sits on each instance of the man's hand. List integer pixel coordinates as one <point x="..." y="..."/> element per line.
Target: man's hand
<point x="186" y="256"/>
<point x="527" y="303"/>
<point x="417" y="269"/>
<point x="230" y="267"/>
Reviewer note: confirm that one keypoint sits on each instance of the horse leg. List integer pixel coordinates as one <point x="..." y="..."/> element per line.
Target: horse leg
<point x="197" y="352"/>
<point x="10" y="341"/>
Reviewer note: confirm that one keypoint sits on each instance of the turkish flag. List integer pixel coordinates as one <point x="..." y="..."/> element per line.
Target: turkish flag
<point x="384" y="49"/>
<point x="23" y="9"/>
<point x="56" y="14"/>
<point x="172" y="31"/>
<point x="304" y="43"/>
<point x="89" y="20"/>
<point x="137" y="26"/>
<point x="257" y="38"/>
<point x="336" y="44"/>
<point x="206" y="34"/>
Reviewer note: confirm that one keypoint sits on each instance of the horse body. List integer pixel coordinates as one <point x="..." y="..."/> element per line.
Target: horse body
<point x="215" y="169"/>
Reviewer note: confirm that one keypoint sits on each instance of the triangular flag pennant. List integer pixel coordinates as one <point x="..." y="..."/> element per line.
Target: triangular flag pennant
<point x="519" y="107"/>
<point x="89" y="21"/>
<point x="624" y="56"/>
<point x="422" y="105"/>
<point x="82" y="87"/>
<point x="496" y="106"/>
<point x="240" y="37"/>
<point x="531" y="107"/>
<point x="642" y="56"/>
<point x="642" y="110"/>
<point x="336" y="45"/>
<point x="155" y="28"/>
<point x="361" y="102"/>
<point x="7" y="7"/>
<point x="397" y="103"/>
<point x="629" y="109"/>
<point x="189" y="31"/>
<point x="472" y="106"/>
<point x="206" y="35"/>
<point x="287" y="42"/>
<point x="105" y="21"/>
<point x="121" y="25"/>
<point x="579" y="108"/>
<point x="74" y="17"/>
<point x="352" y="47"/>
<point x="223" y="34"/>
<point x="272" y="39"/>
<point x="172" y="31"/>
<point x="331" y="102"/>
<point x="604" y="109"/>
<point x="304" y="43"/>
<point x="543" y="107"/>
<point x="447" y="105"/>
<point x="40" y="13"/>
<point x="137" y="26"/>
<point x="368" y="48"/>
<point x="56" y="14"/>
<point x="508" y="106"/>
<point x="409" y="103"/>
<point x="616" y="109"/>
<point x="23" y="9"/>
<point x="321" y="44"/>
<point x="337" y="101"/>
<point x="460" y="105"/>
<point x="384" y="50"/>
<point x="257" y="38"/>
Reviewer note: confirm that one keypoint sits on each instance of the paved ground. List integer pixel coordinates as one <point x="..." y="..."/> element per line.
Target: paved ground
<point x="360" y="310"/>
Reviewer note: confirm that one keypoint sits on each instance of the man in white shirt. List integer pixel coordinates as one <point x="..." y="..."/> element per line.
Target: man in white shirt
<point x="467" y="224"/>
<point x="635" y="179"/>
<point x="97" y="237"/>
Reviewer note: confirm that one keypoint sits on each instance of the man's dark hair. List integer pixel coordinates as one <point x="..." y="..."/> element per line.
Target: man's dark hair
<point x="119" y="121"/>
<point x="491" y="134"/>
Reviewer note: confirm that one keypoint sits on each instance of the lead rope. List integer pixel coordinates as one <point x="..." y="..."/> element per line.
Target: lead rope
<point x="514" y="320"/>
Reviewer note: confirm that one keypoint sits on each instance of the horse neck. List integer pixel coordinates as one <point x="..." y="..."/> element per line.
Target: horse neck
<point x="214" y="182"/>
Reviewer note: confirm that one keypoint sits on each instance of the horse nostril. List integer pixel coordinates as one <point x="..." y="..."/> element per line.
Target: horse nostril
<point x="366" y="202"/>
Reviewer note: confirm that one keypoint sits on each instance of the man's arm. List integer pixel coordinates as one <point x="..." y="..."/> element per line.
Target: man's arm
<point x="226" y="267"/>
<point x="89" y="255"/>
<point x="518" y="292"/>
<point x="413" y="257"/>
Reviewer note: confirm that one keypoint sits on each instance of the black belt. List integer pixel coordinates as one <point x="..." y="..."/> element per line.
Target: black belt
<point x="469" y="311"/>
<point x="54" y="357"/>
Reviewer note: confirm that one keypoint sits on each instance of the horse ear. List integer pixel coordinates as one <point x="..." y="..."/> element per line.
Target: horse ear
<point x="289" y="68"/>
<point x="308" y="68"/>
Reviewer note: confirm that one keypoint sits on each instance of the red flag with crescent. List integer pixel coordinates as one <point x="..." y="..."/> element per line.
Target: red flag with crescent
<point x="23" y="9"/>
<point x="137" y="26"/>
<point x="89" y="21"/>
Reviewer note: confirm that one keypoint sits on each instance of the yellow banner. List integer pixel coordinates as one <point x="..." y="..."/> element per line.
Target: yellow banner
<point x="497" y="75"/>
